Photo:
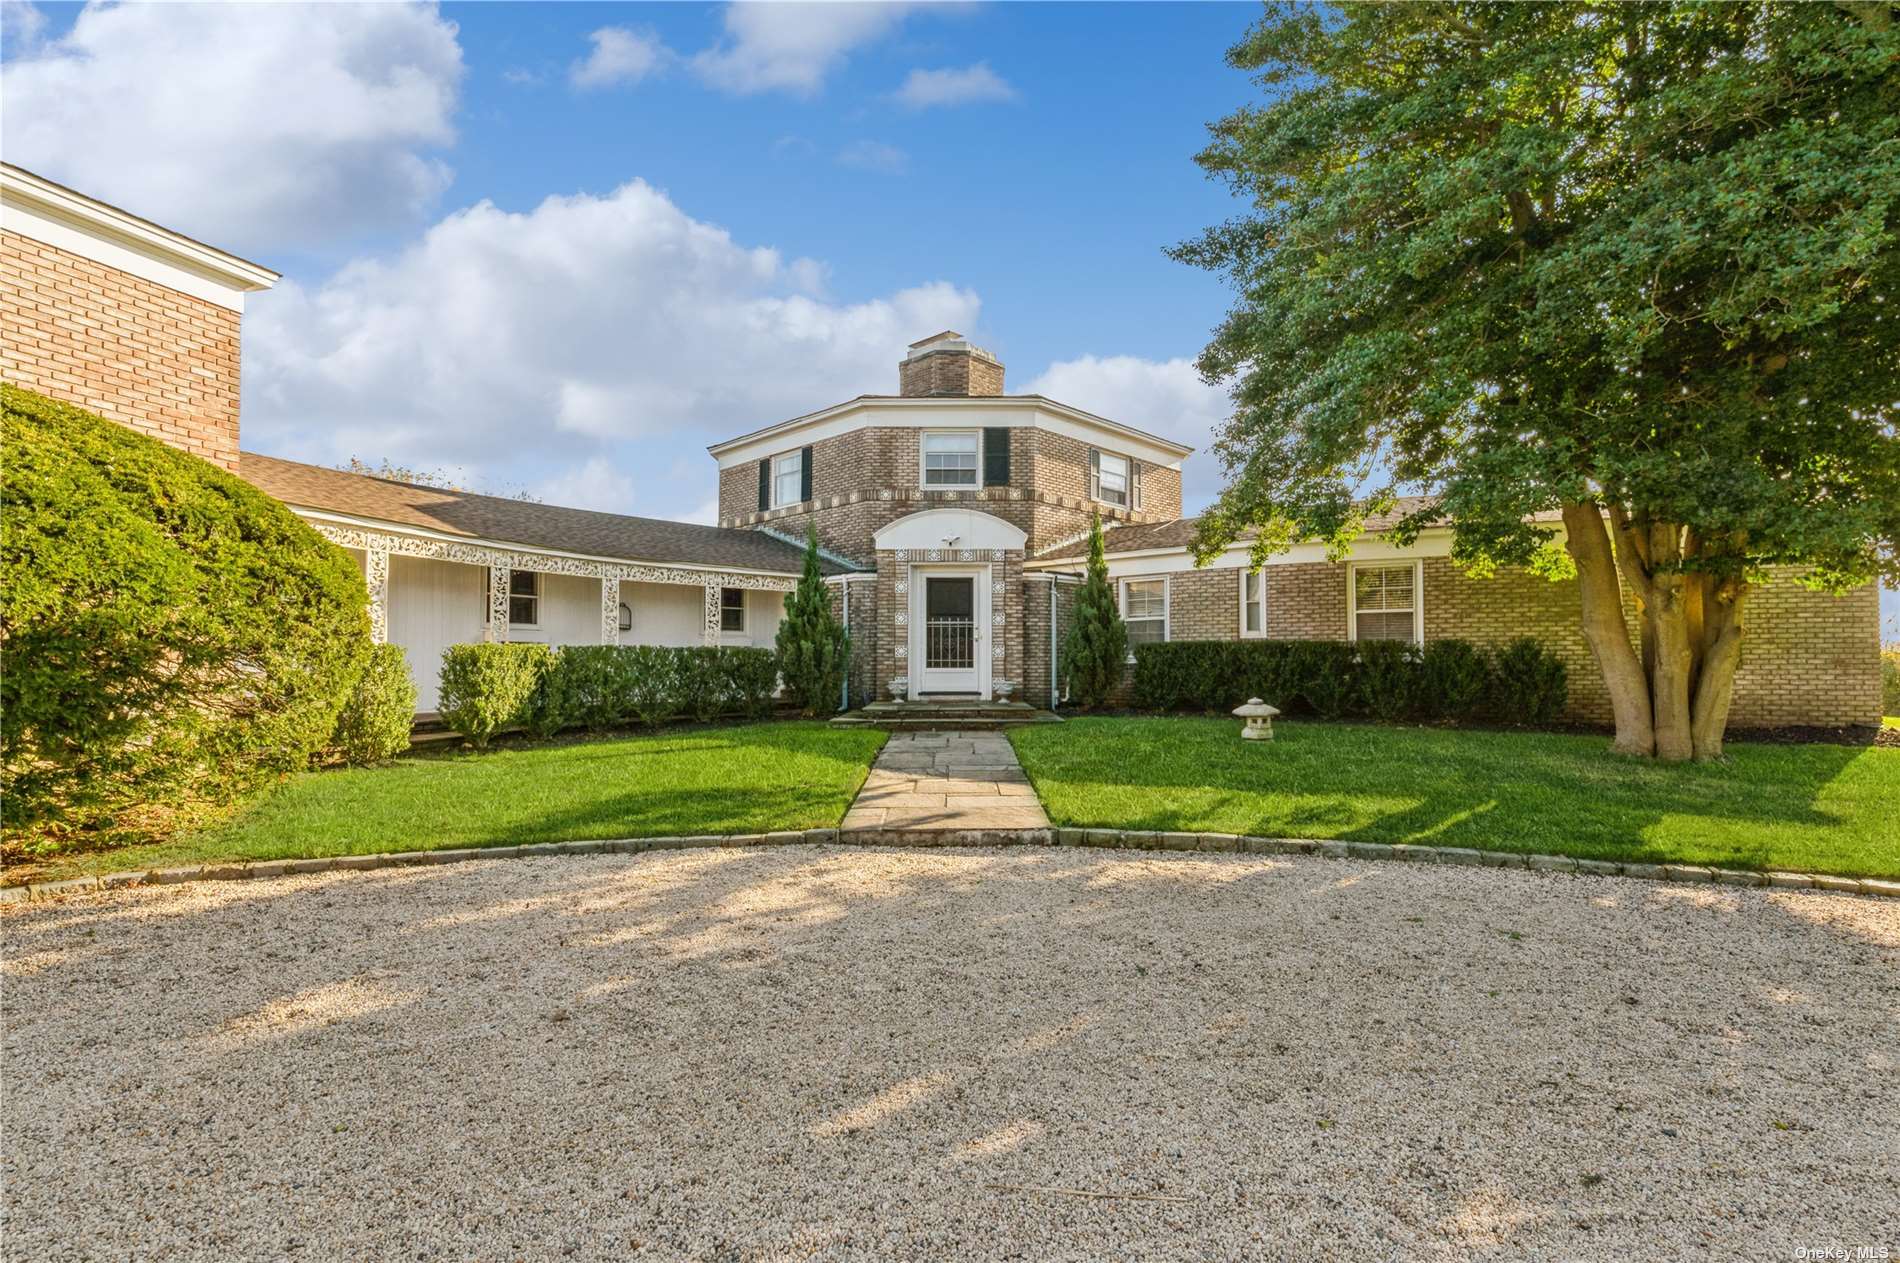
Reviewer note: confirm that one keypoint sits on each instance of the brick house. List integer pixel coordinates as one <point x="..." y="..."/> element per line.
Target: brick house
<point x="953" y="516"/>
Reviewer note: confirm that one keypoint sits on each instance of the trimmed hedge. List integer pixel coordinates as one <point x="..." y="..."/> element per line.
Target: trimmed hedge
<point x="486" y="688"/>
<point x="173" y="636"/>
<point x="1386" y="680"/>
<point x="375" y="724"/>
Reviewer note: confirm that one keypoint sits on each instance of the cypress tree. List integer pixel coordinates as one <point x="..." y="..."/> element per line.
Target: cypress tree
<point x="813" y="646"/>
<point x="1095" y="652"/>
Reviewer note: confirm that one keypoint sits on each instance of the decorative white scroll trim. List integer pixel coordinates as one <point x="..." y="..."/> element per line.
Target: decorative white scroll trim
<point x="610" y="611"/>
<point x="496" y="632"/>
<point x="376" y="576"/>
<point x="713" y="610"/>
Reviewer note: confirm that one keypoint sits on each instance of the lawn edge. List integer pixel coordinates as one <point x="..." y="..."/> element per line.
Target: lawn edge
<point x="1110" y="839"/>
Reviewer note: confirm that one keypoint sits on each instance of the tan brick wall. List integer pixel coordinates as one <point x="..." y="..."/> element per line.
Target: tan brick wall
<point x="867" y="478"/>
<point x="157" y="360"/>
<point x="949" y="373"/>
<point x="1808" y="658"/>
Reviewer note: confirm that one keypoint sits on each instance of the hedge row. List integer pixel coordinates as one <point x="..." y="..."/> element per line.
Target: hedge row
<point x="1521" y="683"/>
<point x="486" y="688"/>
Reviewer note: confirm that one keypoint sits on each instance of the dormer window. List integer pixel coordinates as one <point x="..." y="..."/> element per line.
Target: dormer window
<point x="950" y="458"/>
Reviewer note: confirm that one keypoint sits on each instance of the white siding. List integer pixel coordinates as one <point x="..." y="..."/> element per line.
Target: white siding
<point x="569" y="613"/>
<point x="664" y="614"/>
<point x="432" y="605"/>
<point x="763" y="613"/>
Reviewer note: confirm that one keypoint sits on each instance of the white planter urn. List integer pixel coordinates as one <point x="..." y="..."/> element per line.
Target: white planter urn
<point x="1002" y="689"/>
<point x="1259" y="717"/>
<point x="900" y="688"/>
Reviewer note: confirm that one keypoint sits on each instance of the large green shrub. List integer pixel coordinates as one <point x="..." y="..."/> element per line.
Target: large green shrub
<point x="1890" y="681"/>
<point x="1390" y="679"/>
<point x="590" y="685"/>
<point x="653" y="683"/>
<point x="1095" y="652"/>
<point x="172" y="635"/>
<point x="813" y="646"/>
<point x="1326" y="671"/>
<point x="751" y="677"/>
<point x="1456" y="679"/>
<point x="376" y="721"/>
<point x="1530" y="685"/>
<point x="486" y="688"/>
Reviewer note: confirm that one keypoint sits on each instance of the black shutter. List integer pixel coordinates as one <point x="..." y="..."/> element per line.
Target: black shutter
<point x="996" y="457"/>
<point x="804" y="475"/>
<point x="1134" y="484"/>
<point x="765" y="484"/>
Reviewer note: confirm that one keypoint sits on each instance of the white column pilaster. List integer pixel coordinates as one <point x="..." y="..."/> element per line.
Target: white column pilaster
<point x="610" y="610"/>
<point x="712" y="614"/>
<point x="376" y="576"/>
<point x="496" y="632"/>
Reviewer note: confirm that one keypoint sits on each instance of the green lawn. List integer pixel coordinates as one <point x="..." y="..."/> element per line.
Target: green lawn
<point x="754" y="778"/>
<point x="1817" y="808"/>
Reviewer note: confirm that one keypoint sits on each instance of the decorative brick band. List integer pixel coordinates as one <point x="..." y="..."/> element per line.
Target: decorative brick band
<point x="1107" y="839"/>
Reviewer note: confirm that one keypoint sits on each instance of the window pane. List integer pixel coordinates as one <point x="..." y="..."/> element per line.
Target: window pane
<point x="1253" y="603"/>
<point x="1382" y="588"/>
<point x="1114" y="479"/>
<point x="1385" y="626"/>
<point x="521" y="610"/>
<point x="1146" y="631"/>
<point x="732" y="609"/>
<point x="1145" y="598"/>
<point x="521" y="582"/>
<point x="950" y="460"/>
<point x="786" y="471"/>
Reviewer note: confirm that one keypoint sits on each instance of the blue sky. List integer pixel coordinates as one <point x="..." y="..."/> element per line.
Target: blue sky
<point x="559" y="248"/>
<point x="819" y="185"/>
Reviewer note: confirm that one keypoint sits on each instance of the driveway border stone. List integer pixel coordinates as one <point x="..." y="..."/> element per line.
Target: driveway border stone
<point x="878" y="835"/>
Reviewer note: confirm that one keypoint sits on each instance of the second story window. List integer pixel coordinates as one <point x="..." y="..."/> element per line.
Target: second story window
<point x="1145" y="610"/>
<point x="950" y="458"/>
<point x="788" y="474"/>
<point x="732" y="609"/>
<point x="1114" y="479"/>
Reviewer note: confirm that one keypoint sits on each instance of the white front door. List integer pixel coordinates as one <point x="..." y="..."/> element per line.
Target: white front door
<point x="950" y="616"/>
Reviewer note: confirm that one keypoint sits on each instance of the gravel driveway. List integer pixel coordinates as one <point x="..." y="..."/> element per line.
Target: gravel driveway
<point x="823" y="1052"/>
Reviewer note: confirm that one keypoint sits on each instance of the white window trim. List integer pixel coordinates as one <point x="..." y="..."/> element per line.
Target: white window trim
<point x="745" y="613"/>
<point x="1262" y="633"/>
<point x="796" y="454"/>
<point x="1127" y="502"/>
<point x="1167" y="604"/>
<point x="539" y="595"/>
<point x="1418" y="596"/>
<point x="923" y="473"/>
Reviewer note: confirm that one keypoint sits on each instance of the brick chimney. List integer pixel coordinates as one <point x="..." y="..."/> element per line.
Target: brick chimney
<point x="946" y="364"/>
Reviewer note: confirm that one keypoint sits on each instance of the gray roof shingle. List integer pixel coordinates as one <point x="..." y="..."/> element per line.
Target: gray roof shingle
<point x="1180" y="532"/>
<point x="521" y="522"/>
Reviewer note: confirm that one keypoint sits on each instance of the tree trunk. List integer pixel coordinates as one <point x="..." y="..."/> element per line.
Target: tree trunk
<point x="1608" y="635"/>
<point x="1721" y="655"/>
<point x="1671" y="667"/>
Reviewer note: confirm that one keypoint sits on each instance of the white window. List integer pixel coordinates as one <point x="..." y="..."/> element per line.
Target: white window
<point x="524" y="598"/>
<point x="1253" y="603"/>
<point x="732" y="609"/>
<point x="788" y="473"/>
<point x="1385" y="603"/>
<point x="1111" y="478"/>
<point x="950" y="458"/>
<point x="1145" y="610"/>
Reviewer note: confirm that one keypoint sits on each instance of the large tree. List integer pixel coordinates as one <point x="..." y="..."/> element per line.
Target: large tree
<point x="1627" y="269"/>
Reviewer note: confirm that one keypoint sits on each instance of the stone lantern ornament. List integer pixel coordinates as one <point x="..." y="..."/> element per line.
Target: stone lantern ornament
<point x="1259" y="717"/>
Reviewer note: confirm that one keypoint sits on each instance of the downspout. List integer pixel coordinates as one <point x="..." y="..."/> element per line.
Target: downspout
<point x="844" y="592"/>
<point x="1055" y="683"/>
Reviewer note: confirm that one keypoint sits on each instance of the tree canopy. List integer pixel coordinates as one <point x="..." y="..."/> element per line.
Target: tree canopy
<point x="1623" y="261"/>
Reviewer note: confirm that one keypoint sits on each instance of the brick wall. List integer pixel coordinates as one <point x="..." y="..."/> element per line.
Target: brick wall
<point x="950" y="373"/>
<point x="865" y="479"/>
<point x="1037" y="593"/>
<point x="157" y="360"/>
<point x="1808" y="658"/>
<point x="866" y="634"/>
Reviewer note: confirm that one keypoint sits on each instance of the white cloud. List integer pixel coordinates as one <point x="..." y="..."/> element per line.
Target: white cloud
<point x="1165" y="397"/>
<point x="523" y="346"/>
<point x="21" y="26"/>
<point x="971" y="85"/>
<point x="620" y="56"/>
<point x="253" y="126"/>
<point x="873" y="155"/>
<point x="596" y="483"/>
<point x="791" y="47"/>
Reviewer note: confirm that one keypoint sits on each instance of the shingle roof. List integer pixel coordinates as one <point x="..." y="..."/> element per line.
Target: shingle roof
<point x="521" y="522"/>
<point x="1180" y="532"/>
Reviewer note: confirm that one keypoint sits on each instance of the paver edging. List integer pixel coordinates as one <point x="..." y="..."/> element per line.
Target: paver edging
<point x="1113" y="839"/>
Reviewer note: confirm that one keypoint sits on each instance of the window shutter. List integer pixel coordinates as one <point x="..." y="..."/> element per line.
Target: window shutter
<point x="1134" y="485"/>
<point x="765" y="484"/>
<point x="804" y="474"/>
<point x="996" y="457"/>
<point x="1095" y="473"/>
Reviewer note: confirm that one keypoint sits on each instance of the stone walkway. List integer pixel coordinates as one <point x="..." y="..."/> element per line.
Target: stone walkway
<point x="946" y="780"/>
